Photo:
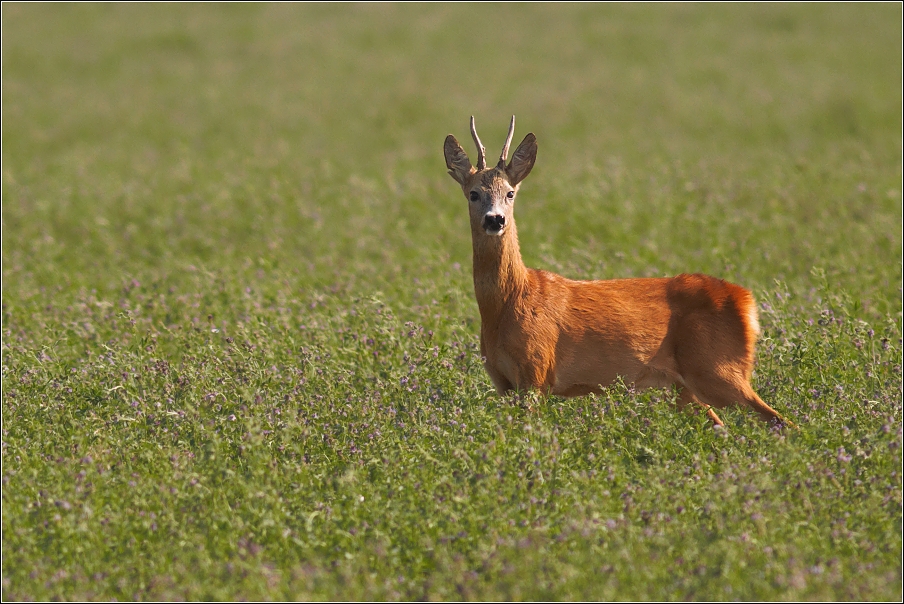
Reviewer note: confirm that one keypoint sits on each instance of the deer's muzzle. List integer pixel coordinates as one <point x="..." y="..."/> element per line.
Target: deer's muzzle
<point x="493" y="223"/>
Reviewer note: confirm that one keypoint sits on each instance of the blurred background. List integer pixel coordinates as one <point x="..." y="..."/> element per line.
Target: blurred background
<point x="750" y="141"/>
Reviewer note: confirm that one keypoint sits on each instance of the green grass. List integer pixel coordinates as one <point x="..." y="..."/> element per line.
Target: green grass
<point x="240" y="351"/>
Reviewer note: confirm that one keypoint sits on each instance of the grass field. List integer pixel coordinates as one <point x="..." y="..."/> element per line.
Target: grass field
<point x="240" y="345"/>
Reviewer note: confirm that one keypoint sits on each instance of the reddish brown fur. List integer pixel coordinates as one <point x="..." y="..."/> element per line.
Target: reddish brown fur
<point x="542" y="331"/>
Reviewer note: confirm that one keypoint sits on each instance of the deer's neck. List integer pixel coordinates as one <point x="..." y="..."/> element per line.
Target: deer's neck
<point x="499" y="272"/>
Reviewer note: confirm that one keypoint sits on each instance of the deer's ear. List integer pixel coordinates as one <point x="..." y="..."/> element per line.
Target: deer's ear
<point x="457" y="161"/>
<point x="523" y="159"/>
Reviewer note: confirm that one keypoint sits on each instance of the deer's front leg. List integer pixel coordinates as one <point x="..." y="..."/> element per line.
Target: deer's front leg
<point x="500" y="381"/>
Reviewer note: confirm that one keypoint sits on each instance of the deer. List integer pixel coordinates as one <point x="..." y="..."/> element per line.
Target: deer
<point x="543" y="332"/>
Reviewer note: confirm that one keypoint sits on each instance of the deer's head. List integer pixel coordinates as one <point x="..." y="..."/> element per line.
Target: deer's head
<point x="491" y="191"/>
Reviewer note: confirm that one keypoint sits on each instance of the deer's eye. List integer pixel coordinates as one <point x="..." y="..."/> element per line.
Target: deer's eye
<point x="510" y="195"/>
<point x="475" y="196"/>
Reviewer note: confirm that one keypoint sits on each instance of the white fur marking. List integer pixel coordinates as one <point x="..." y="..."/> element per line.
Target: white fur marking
<point x="753" y="319"/>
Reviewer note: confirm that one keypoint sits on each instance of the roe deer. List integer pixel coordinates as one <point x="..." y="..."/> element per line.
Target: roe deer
<point x="542" y="331"/>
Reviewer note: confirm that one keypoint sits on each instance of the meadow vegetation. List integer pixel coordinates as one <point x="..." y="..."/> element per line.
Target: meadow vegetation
<point x="240" y="353"/>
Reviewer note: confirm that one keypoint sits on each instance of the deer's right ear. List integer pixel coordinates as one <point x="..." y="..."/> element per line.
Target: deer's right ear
<point x="457" y="161"/>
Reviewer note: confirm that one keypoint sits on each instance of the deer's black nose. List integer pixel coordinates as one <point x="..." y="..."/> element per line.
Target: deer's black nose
<point x="493" y="222"/>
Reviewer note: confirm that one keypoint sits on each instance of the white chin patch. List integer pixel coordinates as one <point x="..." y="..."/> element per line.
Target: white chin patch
<point x="494" y="233"/>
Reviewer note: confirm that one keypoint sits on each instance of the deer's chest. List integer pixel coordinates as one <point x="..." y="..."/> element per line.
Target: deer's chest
<point x="523" y="357"/>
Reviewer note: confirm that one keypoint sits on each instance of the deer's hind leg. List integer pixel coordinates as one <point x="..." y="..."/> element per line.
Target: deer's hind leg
<point x="719" y="390"/>
<point x="686" y="399"/>
<point x="716" y="362"/>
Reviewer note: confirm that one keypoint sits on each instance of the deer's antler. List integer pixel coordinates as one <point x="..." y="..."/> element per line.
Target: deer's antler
<point x="508" y="141"/>
<point x="481" y="152"/>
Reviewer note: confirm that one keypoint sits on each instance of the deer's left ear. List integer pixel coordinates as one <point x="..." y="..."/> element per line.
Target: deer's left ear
<point x="522" y="160"/>
<point x="457" y="161"/>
